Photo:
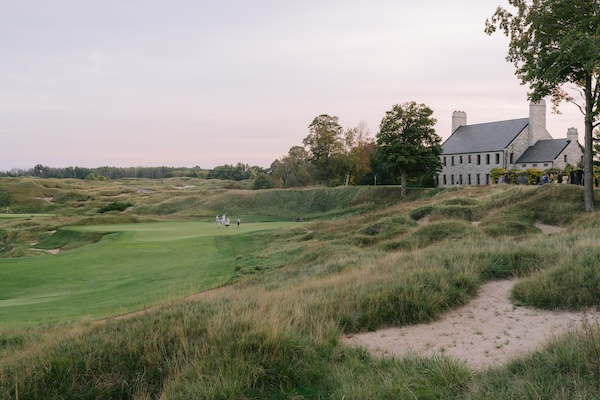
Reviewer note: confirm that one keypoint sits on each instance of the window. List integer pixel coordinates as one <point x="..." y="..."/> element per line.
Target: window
<point x="497" y="158"/>
<point x="445" y="180"/>
<point x="444" y="161"/>
<point x="487" y="158"/>
<point x="534" y="165"/>
<point x="478" y="179"/>
<point x="460" y="179"/>
<point x="565" y="158"/>
<point x="452" y="158"/>
<point x="469" y="159"/>
<point x="469" y="179"/>
<point x="512" y="155"/>
<point x="478" y="159"/>
<point x="546" y="164"/>
<point x="452" y="179"/>
<point x="524" y="165"/>
<point x="487" y="179"/>
<point x="460" y="160"/>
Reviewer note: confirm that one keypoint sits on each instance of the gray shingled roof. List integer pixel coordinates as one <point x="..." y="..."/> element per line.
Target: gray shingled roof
<point x="543" y="151"/>
<point x="478" y="138"/>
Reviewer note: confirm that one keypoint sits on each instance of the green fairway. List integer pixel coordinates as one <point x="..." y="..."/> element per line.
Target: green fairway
<point x="13" y="216"/>
<point x="132" y="267"/>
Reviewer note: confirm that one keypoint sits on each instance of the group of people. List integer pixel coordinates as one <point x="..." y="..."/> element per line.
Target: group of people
<point x="224" y="220"/>
<point x="575" y="177"/>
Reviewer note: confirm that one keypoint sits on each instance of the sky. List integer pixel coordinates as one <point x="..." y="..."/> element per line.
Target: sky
<point x="184" y="83"/>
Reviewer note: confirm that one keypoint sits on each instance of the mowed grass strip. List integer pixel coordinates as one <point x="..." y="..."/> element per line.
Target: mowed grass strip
<point x="134" y="266"/>
<point x="15" y="216"/>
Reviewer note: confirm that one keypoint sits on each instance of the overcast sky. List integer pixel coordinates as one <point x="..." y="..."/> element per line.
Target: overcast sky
<point x="206" y="83"/>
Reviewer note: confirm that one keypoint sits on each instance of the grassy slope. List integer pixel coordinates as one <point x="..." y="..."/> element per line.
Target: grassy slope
<point x="275" y="334"/>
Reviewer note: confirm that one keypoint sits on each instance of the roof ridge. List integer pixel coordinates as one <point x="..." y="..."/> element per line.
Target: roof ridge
<point x="496" y="122"/>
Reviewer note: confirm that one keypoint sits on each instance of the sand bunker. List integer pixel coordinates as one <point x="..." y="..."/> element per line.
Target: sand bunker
<point x="488" y="331"/>
<point x="548" y="229"/>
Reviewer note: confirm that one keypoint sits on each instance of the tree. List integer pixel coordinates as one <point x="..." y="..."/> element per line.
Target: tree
<point x="407" y="144"/>
<point x="262" y="181"/>
<point x="292" y="169"/>
<point x="238" y="172"/>
<point x="555" y="44"/>
<point x="41" y="171"/>
<point x="358" y="150"/>
<point x="5" y="198"/>
<point x="324" y="142"/>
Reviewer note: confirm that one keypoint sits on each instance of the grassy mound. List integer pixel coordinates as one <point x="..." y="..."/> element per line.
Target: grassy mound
<point x="68" y="240"/>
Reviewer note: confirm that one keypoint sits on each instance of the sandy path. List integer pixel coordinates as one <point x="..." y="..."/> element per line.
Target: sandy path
<point x="488" y="331"/>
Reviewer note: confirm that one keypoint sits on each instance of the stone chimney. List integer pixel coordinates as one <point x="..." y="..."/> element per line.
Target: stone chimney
<point x="459" y="118"/>
<point x="537" y="122"/>
<point x="572" y="134"/>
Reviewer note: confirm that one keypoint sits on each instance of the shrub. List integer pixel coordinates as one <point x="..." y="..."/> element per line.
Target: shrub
<point x="496" y="173"/>
<point x="533" y="175"/>
<point x="263" y="181"/>
<point x="421" y="212"/>
<point x="5" y="198"/>
<point x="511" y="176"/>
<point x="115" y="206"/>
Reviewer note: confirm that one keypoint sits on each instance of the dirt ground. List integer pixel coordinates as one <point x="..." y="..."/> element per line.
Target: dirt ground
<point x="488" y="331"/>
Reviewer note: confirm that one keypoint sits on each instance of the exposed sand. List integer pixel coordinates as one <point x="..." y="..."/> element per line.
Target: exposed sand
<point x="488" y="331"/>
<point x="548" y="229"/>
<point x="51" y="251"/>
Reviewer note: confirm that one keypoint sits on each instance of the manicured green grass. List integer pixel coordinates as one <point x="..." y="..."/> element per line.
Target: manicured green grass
<point x="132" y="267"/>
<point x="15" y="216"/>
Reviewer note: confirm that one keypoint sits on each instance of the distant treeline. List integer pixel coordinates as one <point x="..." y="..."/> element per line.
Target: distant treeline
<point x="234" y="172"/>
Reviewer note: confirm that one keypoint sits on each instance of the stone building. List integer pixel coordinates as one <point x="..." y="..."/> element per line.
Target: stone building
<point x="471" y="152"/>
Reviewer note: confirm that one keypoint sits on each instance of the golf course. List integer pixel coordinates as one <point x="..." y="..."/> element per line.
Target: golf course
<point x="132" y="267"/>
<point x="127" y="289"/>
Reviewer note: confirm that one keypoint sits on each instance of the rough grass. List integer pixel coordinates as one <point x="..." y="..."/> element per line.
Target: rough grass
<point x="68" y="240"/>
<point x="572" y="284"/>
<point x="275" y="333"/>
<point x="566" y="368"/>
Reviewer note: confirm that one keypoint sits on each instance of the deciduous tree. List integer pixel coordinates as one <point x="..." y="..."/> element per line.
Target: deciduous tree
<point x="292" y="169"/>
<point x="555" y="44"/>
<point x="324" y="142"/>
<point x="358" y="150"/>
<point x="407" y="144"/>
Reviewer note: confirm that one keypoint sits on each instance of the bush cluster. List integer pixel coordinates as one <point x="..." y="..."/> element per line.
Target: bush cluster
<point x="115" y="206"/>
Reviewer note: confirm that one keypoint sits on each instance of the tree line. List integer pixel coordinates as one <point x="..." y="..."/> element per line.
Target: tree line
<point x="233" y="172"/>
<point x="101" y="173"/>
<point x="405" y="148"/>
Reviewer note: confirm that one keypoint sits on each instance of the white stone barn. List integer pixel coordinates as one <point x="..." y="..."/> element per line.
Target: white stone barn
<point x="471" y="152"/>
